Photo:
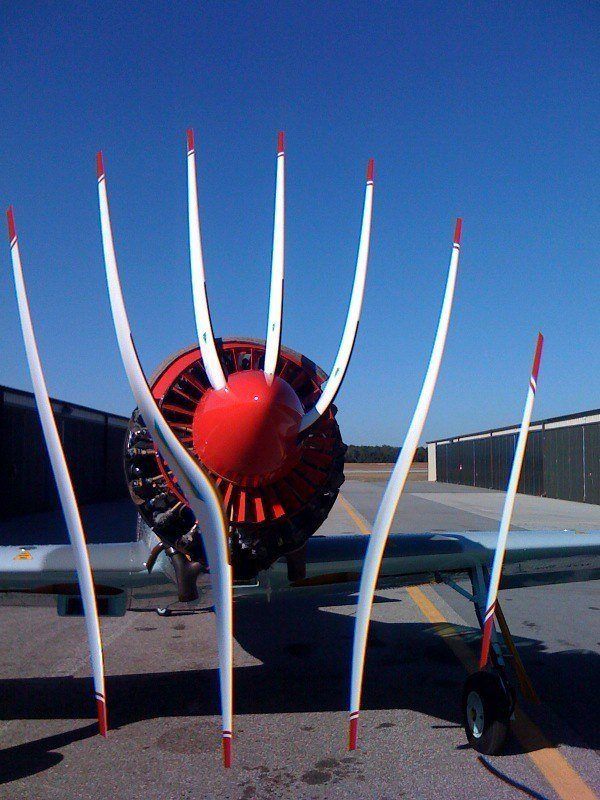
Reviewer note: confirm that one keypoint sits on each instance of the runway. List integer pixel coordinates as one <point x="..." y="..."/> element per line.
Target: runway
<point x="291" y="684"/>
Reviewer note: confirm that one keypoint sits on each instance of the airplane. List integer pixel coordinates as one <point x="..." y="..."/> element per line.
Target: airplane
<point x="234" y="459"/>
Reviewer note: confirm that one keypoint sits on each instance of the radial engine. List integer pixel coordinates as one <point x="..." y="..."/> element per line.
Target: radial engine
<point x="277" y="483"/>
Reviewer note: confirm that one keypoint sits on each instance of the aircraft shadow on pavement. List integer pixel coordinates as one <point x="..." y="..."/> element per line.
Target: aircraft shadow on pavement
<point x="24" y="760"/>
<point x="305" y="653"/>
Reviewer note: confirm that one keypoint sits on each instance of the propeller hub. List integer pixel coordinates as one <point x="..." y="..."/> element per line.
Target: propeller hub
<point x="247" y="432"/>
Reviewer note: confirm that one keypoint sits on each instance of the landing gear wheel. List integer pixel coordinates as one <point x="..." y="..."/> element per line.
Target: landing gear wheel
<point x="486" y="708"/>
<point x="163" y="612"/>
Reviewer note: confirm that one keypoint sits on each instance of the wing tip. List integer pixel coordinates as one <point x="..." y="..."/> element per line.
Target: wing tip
<point x="12" y="231"/>
<point x="102" y="717"/>
<point x="227" y="740"/>
<point x="190" y="140"/>
<point x="99" y="165"/>
<point x="370" y="170"/>
<point x="458" y="230"/>
<point x="280" y="143"/>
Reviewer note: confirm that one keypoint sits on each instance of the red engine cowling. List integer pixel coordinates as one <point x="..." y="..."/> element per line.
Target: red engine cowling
<point x="277" y="485"/>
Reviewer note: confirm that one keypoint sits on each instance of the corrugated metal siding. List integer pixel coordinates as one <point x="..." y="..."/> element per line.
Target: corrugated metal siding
<point x="482" y="451"/>
<point x="561" y="462"/>
<point x="441" y="463"/>
<point x="93" y="442"/>
<point x="591" y="440"/>
<point x="114" y="473"/>
<point x="502" y="449"/>
<point x="532" y="474"/>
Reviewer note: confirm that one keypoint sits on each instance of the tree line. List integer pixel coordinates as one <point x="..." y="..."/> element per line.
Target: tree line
<point x="378" y="454"/>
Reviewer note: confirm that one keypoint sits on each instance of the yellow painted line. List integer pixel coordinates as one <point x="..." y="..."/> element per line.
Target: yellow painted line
<point x="555" y="768"/>
<point x="357" y="518"/>
<point x="551" y="763"/>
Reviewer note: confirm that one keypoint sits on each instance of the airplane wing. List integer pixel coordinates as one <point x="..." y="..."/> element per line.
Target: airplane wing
<point x="532" y="558"/>
<point x="50" y="569"/>
<point x="335" y="562"/>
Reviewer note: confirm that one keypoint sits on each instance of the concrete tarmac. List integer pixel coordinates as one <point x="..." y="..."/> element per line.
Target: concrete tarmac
<point x="292" y="659"/>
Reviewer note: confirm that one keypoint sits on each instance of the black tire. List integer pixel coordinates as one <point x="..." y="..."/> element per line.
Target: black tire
<point x="486" y="709"/>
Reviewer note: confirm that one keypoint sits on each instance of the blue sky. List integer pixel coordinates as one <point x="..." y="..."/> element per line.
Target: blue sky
<point x="485" y="110"/>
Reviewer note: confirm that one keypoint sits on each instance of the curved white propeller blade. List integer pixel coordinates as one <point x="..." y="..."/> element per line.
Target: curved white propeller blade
<point x="393" y="491"/>
<point x="206" y="337"/>
<point x="509" y="503"/>
<point x="195" y="484"/>
<point x="63" y="482"/>
<point x="340" y="365"/>
<point x="277" y="268"/>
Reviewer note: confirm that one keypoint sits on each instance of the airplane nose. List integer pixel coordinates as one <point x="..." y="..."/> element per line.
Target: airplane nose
<point x="247" y="432"/>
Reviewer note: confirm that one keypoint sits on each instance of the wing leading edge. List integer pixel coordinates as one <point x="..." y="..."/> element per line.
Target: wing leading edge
<point x="532" y="558"/>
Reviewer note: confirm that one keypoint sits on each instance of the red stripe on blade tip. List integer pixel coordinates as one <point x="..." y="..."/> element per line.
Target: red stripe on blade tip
<point x="353" y="734"/>
<point x="485" y="644"/>
<point x="227" y="737"/>
<point x="371" y="169"/>
<point x="12" y="231"/>
<point x="102" y="716"/>
<point x="280" y="142"/>
<point x="99" y="164"/>
<point x="538" y="357"/>
<point x="458" y="230"/>
<point x="190" y="139"/>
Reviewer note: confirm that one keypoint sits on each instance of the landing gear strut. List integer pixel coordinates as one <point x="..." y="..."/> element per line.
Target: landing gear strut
<point x="489" y="699"/>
